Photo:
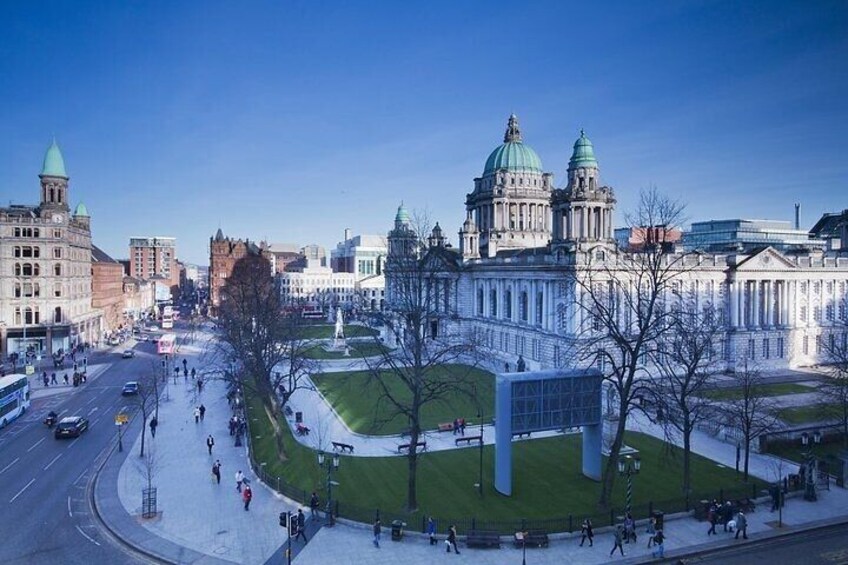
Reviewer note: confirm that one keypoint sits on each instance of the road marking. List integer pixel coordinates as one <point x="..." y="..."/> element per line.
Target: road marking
<point x="35" y="445"/>
<point x="93" y="398"/>
<point x="94" y="421"/>
<point x="54" y="460"/>
<point x="73" y="442"/>
<point x="70" y="512"/>
<point x="83" y="534"/>
<point x="10" y="464"/>
<point x="81" y="476"/>
<point x="93" y="410"/>
<point x="20" y="492"/>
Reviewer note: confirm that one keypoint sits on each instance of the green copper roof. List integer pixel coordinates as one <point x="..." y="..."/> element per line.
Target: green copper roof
<point x="513" y="155"/>
<point x="81" y="210"/>
<point x="402" y="215"/>
<point x="54" y="164"/>
<point x="584" y="153"/>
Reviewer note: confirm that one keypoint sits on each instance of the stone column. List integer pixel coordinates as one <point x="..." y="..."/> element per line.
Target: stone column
<point x="768" y="310"/>
<point x="733" y="304"/>
<point x="756" y="305"/>
<point x="791" y="289"/>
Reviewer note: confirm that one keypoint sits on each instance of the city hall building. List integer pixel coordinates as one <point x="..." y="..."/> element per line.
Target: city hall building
<point x="524" y="244"/>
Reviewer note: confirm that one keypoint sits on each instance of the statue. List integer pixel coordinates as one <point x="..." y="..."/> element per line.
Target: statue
<point x="338" y="335"/>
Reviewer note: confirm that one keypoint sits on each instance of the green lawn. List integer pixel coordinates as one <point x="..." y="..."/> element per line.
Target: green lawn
<point x="547" y="482"/>
<point x="795" y="451"/>
<point x="779" y="389"/>
<point x="354" y="396"/>
<point x="326" y="331"/>
<point x="811" y="413"/>
<point x="357" y="350"/>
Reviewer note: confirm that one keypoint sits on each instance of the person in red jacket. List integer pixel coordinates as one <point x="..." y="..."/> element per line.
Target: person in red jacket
<point x="247" y="495"/>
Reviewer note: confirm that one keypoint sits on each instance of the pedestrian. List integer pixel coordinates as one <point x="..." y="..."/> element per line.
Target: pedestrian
<point x="232" y="425"/>
<point x="65" y="378"/>
<point x="313" y="505"/>
<point x="202" y="412"/>
<point x="506" y="367"/>
<point x="210" y="441"/>
<point x="301" y="525"/>
<point x="193" y="372"/>
<point x="196" y="415"/>
<point x="216" y="471"/>
<point x="185" y="362"/>
<point x="153" y="423"/>
<point x="659" y="540"/>
<point x="53" y="380"/>
<point x="247" y="496"/>
<point x="629" y="528"/>
<point x="651" y="531"/>
<point x="741" y="525"/>
<point x="727" y="514"/>
<point x="377" y="530"/>
<point x="44" y="379"/>
<point x="185" y="373"/>
<point x="239" y="480"/>
<point x="462" y="426"/>
<point x="431" y="530"/>
<point x="586" y="532"/>
<point x="455" y="426"/>
<point x="618" y="534"/>
<point x="451" y="541"/>
<point x="712" y="517"/>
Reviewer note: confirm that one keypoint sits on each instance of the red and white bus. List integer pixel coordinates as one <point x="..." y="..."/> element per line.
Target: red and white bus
<point x="167" y="344"/>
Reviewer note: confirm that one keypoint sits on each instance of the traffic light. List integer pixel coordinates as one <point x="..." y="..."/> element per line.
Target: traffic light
<point x="293" y="525"/>
<point x="283" y="519"/>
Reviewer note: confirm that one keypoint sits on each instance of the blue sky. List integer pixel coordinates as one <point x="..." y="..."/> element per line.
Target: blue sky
<point x="293" y="120"/>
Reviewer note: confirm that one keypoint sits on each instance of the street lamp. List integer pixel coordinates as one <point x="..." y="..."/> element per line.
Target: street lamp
<point x="480" y="484"/>
<point x="330" y="464"/>
<point x="627" y="467"/>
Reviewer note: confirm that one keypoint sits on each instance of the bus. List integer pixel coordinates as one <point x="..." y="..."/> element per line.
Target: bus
<point x="167" y="318"/>
<point x="167" y="343"/>
<point x="14" y="397"/>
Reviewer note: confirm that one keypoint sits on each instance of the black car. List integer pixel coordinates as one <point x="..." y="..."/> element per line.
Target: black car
<point x="71" y="426"/>
<point x="130" y="388"/>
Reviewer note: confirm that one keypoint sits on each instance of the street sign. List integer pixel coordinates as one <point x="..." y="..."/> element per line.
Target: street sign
<point x="121" y="419"/>
<point x="30" y="369"/>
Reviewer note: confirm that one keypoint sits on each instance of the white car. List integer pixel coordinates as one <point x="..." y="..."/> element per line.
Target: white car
<point x="128" y="354"/>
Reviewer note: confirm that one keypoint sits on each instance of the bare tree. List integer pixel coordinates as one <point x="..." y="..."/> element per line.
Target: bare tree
<point x="751" y="411"/>
<point x="150" y="466"/>
<point x="147" y="401"/>
<point x="686" y="362"/>
<point x="622" y="300"/>
<point x="420" y="289"/>
<point x="833" y="389"/>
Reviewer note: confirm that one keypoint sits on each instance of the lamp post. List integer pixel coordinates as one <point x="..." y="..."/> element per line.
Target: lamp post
<point x="331" y="464"/>
<point x="480" y="483"/>
<point x="627" y="467"/>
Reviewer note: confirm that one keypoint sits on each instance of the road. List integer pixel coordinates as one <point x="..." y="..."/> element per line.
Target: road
<point x="825" y="546"/>
<point x="46" y="515"/>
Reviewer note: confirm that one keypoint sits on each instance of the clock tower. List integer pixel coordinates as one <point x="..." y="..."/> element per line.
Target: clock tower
<point x="54" y="184"/>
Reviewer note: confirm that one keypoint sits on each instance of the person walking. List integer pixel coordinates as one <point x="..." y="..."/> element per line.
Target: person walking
<point x="239" y="480"/>
<point x="651" y="531"/>
<point x="210" y="441"/>
<point x="45" y="379"/>
<point x="727" y="514"/>
<point x="377" y="529"/>
<point x="431" y="530"/>
<point x="301" y="525"/>
<point x="618" y="534"/>
<point x="586" y="532"/>
<point x="193" y="373"/>
<point x="712" y="517"/>
<point x="153" y="423"/>
<point x="202" y="409"/>
<point x="451" y="541"/>
<point x="65" y="378"/>
<point x="53" y="380"/>
<point x="741" y="525"/>
<point x="313" y="505"/>
<point x="629" y="528"/>
<point x="196" y="415"/>
<point x="216" y="470"/>
<point x="659" y="540"/>
<point x="247" y="496"/>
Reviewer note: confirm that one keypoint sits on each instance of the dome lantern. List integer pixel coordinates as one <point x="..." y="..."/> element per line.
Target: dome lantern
<point x="513" y="155"/>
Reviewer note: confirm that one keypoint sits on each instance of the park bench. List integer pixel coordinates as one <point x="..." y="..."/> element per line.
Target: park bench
<point x="342" y="447"/>
<point x="448" y="427"/>
<point x="533" y="538"/>
<point x="483" y="538"/>
<point x="405" y="432"/>
<point x="421" y="444"/>
<point x="520" y="435"/>
<point x="302" y="430"/>
<point x="468" y="439"/>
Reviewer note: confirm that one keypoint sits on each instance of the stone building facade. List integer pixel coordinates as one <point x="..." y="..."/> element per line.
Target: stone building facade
<point x="515" y="289"/>
<point x="45" y="269"/>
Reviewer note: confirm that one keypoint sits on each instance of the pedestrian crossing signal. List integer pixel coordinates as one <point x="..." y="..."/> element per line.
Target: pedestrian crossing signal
<point x="283" y="520"/>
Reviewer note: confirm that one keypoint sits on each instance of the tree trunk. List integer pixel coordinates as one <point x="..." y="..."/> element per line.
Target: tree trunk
<point x="747" y="442"/>
<point x="271" y="410"/>
<point x="611" y="469"/>
<point x="687" y="452"/>
<point x="143" y="428"/>
<point x="412" y="460"/>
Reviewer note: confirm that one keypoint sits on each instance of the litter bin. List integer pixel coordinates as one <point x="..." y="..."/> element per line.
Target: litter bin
<point x="298" y="417"/>
<point x="658" y="516"/>
<point x="397" y="530"/>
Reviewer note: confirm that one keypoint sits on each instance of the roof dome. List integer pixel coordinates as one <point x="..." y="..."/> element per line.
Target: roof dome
<point x="513" y="155"/>
<point x="81" y="210"/>
<point x="54" y="164"/>
<point x="402" y="215"/>
<point x="584" y="153"/>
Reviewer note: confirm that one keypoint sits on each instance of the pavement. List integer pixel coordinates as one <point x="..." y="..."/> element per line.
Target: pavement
<point x="199" y="521"/>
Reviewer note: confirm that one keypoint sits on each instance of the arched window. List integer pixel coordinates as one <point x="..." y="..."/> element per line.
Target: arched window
<point x="18" y="269"/>
<point x="57" y="269"/>
<point x="27" y="270"/>
<point x="57" y="315"/>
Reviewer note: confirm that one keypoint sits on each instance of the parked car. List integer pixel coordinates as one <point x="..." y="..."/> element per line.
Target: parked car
<point x="114" y="341"/>
<point x="128" y="354"/>
<point x="70" y="426"/>
<point x="130" y="388"/>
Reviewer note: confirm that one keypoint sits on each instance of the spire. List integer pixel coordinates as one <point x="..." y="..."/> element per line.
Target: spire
<point x="54" y="164"/>
<point x="512" y="131"/>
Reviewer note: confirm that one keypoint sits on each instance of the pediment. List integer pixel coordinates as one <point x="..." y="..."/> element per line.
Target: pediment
<point x="766" y="259"/>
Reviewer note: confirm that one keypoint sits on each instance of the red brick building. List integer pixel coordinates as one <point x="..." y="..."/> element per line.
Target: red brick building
<point x="151" y="256"/>
<point x="107" y="288"/>
<point x="223" y="254"/>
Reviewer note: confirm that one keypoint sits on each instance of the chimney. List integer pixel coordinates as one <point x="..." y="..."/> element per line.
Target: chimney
<point x="797" y="216"/>
<point x="347" y="234"/>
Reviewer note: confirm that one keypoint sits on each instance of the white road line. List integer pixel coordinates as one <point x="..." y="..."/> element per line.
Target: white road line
<point x="94" y="421"/>
<point x="20" y="492"/>
<point x="70" y="512"/>
<point x="93" y="410"/>
<point x="81" y="476"/>
<point x="54" y="460"/>
<point x="73" y="442"/>
<point x="93" y="398"/>
<point x="10" y="464"/>
<point x="83" y="534"/>
<point x="35" y="445"/>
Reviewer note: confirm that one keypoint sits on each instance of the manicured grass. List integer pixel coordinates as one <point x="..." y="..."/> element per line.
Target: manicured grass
<point x="796" y="452"/>
<point x="811" y="413"/>
<point x="779" y="389"/>
<point x="547" y="481"/>
<point x="357" y="350"/>
<point x="355" y="396"/>
<point x="326" y="331"/>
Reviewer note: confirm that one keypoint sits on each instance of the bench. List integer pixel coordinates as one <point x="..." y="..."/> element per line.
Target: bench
<point x="483" y="538"/>
<point x="302" y="430"/>
<point x="533" y="538"/>
<point x="446" y="427"/>
<point x="520" y="435"/>
<point x="421" y="444"/>
<point x="405" y="432"/>
<point x="342" y="447"/>
<point x="468" y="439"/>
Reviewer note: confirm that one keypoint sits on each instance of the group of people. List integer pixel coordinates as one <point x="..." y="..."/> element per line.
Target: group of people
<point x="730" y="516"/>
<point x="78" y="378"/>
<point x="459" y="426"/>
<point x="624" y="533"/>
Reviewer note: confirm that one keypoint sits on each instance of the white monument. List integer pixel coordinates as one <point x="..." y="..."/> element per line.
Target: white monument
<point x="339" y="341"/>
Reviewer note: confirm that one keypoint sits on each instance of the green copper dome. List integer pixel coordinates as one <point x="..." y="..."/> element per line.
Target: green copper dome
<point x="513" y="155"/>
<point x="54" y="164"/>
<point x="584" y="153"/>
<point x="81" y="210"/>
<point x="402" y="215"/>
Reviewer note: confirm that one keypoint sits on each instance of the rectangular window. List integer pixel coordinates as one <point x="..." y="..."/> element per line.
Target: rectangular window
<point x="57" y="290"/>
<point x="803" y="314"/>
<point x="818" y="345"/>
<point x="57" y="234"/>
<point x="779" y="351"/>
<point x="540" y="301"/>
<point x="57" y="252"/>
<point x="829" y="312"/>
<point x="766" y="352"/>
<point x="752" y="349"/>
<point x="806" y="345"/>
<point x="817" y="313"/>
